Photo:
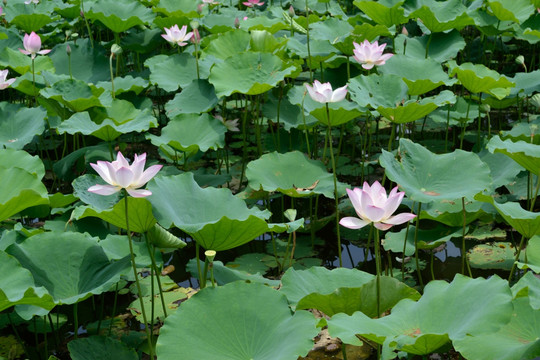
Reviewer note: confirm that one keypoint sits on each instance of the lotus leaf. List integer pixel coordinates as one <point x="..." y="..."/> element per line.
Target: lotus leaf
<point x="387" y="13"/>
<point x="529" y="287"/>
<point x="533" y="256"/>
<point x="77" y="95"/>
<point x="177" y="7"/>
<point x="100" y="347"/>
<point x="246" y="330"/>
<point x="124" y="84"/>
<point x="225" y="274"/>
<point x="291" y="116"/>
<point x="19" y="124"/>
<point x="479" y="79"/>
<point x="96" y="64"/>
<point x="197" y="97"/>
<point x="119" y="15"/>
<point x="117" y="247"/>
<point x="442" y="16"/>
<point x="171" y="72"/>
<point x="22" y="63"/>
<point x="499" y="255"/>
<point x="426" y="239"/>
<point x="517" y="11"/>
<point x="524" y="153"/>
<point x="228" y="44"/>
<point x="96" y="201"/>
<point x="442" y="46"/>
<point x="28" y="18"/>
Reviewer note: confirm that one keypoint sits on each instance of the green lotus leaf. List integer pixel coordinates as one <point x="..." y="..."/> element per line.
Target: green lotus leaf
<point x="426" y="239"/>
<point x="524" y="153"/>
<point x="117" y="247"/>
<point x="378" y="90"/>
<point x="88" y="271"/>
<point x="442" y="46"/>
<point x="172" y="71"/>
<point x="144" y="41"/>
<point x="443" y="313"/>
<point x="197" y="97"/>
<point x="252" y="263"/>
<point x="387" y="13"/>
<point x="177" y="8"/>
<point x="216" y="219"/>
<point x="442" y="16"/>
<point x="74" y="94"/>
<point x="533" y="258"/>
<point x="100" y="347"/>
<point x="516" y="340"/>
<point x="291" y="116"/>
<point x="503" y="169"/>
<point x="139" y="211"/>
<point x="528" y="285"/>
<point x="529" y="30"/>
<point x="479" y="79"/>
<point x="96" y="201"/>
<point x="263" y="41"/>
<point x="320" y="50"/>
<point x="119" y="15"/>
<point x="172" y="298"/>
<point x="228" y="44"/>
<point x="498" y="255"/>
<point x="96" y="63"/>
<point x="161" y="238"/>
<point x="420" y="75"/>
<point x="17" y="286"/>
<point x="462" y="111"/>
<point x="525" y="222"/>
<point x="249" y="73"/>
<point x="124" y="84"/>
<point x="290" y="173"/>
<point x="450" y="212"/>
<point x="524" y="131"/>
<point x="191" y="133"/>
<point x="10" y="158"/>
<point x="269" y="23"/>
<point x="333" y="30"/>
<point x="22" y="63"/>
<point x="428" y="177"/>
<point x="219" y="23"/>
<point x="412" y="110"/>
<point x="225" y="274"/>
<point x="28" y="18"/>
<point x="246" y="329"/>
<point x="19" y="124"/>
<point x="508" y="10"/>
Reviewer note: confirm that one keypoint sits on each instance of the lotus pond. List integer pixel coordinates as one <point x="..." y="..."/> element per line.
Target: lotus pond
<point x="306" y="179"/>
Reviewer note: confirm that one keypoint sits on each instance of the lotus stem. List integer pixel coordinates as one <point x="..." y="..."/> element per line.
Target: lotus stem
<point x="308" y="48"/>
<point x="113" y="309"/>
<point x="87" y="25"/>
<point x="420" y="281"/>
<point x="463" y="249"/>
<point x="336" y="197"/>
<point x="155" y="270"/>
<point x="405" y="249"/>
<point x="376" y="243"/>
<point x="75" y="320"/>
<point x="516" y="259"/>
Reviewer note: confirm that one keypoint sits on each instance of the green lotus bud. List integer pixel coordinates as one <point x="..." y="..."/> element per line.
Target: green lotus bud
<point x="520" y="60"/>
<point x="485" y="108"/>
<point x="116" y="49"/>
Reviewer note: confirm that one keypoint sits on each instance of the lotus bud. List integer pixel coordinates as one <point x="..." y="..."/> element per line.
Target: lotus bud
<point x="68" y="50"/>
<point x="1" y="11"/>
<point x="196" y="39"/>
<point x="116" y="49"/>
<point x="237" y="23"/>
<point x="291" y="11"/>
<point x="485" y="108"/>
<point x="200" y="8"/>
<point x="404" y="31"/>
<point x="520" y="60"/>
<point x="535" y="100"/>
<point x="210" y="255"/>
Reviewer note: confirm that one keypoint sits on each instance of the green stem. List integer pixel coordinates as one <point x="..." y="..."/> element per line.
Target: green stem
<point x="376" y="243"/>
<point x="420" y="281"/>
<point x="155" y="270"/>
<point x="112" y="74"/>
<point x="87" y="25"/>
<point x="336" y="196"/>
<point x="76" y="320"/>
<point x="463" y="249"/>
<point x="308" y="47"/>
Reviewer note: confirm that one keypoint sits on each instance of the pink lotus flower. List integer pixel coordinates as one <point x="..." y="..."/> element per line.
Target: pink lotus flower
<point x="251" y="3"/>
<point x="32" y="45"/>
<point x="323" y="93"/>
<point x="373" y="206"/>
<point x="3" y="82"/>
<point x="231" y="125"/>
<point x="369" y="54"/>
<point x="177" y="36"/>
<point x="120" y="175"/>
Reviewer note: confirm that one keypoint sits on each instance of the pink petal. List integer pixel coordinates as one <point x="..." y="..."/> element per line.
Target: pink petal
<point x="138" y="166"/>
<point x="147" y="175"/>
<point x="103" y="171"/>
<point x="356" y="200"/>
<point x="339" y="94"/>
<point x="103" y="189"/>
<point x="24" y="51"/>
<point x="139" y="193"/>
<point x="44" y="52"/>
<point x="368" y="66"/>
<point x="382" y="226"/>
<point x="124" y="177"/>
<point x="393" y="203"/>
<point x="121" y="160"/>
<point x="353" y="223"/>
<point x="374" y="213"/>
<point x="400" y="218"/>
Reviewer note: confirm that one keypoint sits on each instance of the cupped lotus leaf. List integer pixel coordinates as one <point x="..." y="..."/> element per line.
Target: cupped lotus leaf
<point x="268" y="23"/>
<point x="228" y="44"/>
<point x="140" y="216"/>
<point x="249" y="73"/>
<point x="170" y="72"/>
<point x="524" y="153"/>
<point x="10" y="158"/>
<point x="516" y="340"/>
<point x="219" y="23"/>
<point x="292" y="174"/>
<point x="216" y="219"/>
<point x="124" y="84"/>
<point x="161" y="238"/>
<point x="477" y="78"/>
<point x="533" y="257"/>
<point x="427" y="177"/>
<point x="17" y="286"/>
<point x="96" y="201"/>
<point x="263" y="41"/>
<point x="498" y="255"/>
<point x="100" y="347"/>
<point x="197" y="97"/>
<point x="88" y="271"/>
<point x="426" y="239"/>
<point x="96" y="63"/>
<point x="421" y="75"/>
<point x="524" y="131"/>
<point x="528" y="286"/>
<point x="19" y="124"/>
<point x="76" y="95"/>
<point x="20" y="190"/>
<point x="503" y="169"/>
<point x="442" y="46"/>
<point x="440" y="16"/>
<point x="119" y="15"/>
<point x="176" y="7"/>
<point x="28" y="18"/>
<point x="510" y="10"/>
<point x="242" y="329"/>
<point x="225" y="274"/>
<point x="412" y="110"/>
<point x="22" y="63"/>
<point x="387" y="12"/>
<point x="445" y="312"/>
<point x="191" y="133"/>
<point x="527" y="223"/>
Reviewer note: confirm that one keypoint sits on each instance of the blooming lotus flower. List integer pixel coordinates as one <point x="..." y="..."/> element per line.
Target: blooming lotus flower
<point x="32" y="45"/>
<point x="28" y="2"/>
<point x="369" y="54"/>
<point x="120" y="175"/>
<point x="251" y="3"/>
<point x="231" y="125"/>
<point x="3" y="82"/>
<point x="373" y="206"/>
<point x="177" y="36"/>
<point x="323" y="93"/>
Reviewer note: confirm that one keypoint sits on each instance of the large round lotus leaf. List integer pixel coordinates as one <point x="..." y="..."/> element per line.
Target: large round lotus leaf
<point x="528" y="286"/>
<point x="249" y="73"/>
<point x="124" y="84"/>
<point x="191" y="133"/>
<point x="225" y="274"/>
<point x="256" y="324"/>
<point x="320" y="50"/>
<point x="139" y="212"/>
<point x="197" y="97"/>
<point x="263" y="41"/>
<point x="74" y="94"/>
<point x="461" y="112"/>
<point x="22" y="63"/>
<point x="177" y="7"/>
<point x="336" y="31"/>
<point x="527" y="223"/>
<point x="100" y="347"/>
<point x="499" y="255"/>
<point x="442" y="46"/>
<point x="428" y="177"/>
<point x="515" y="341"/>
<point x="387" y="13"/>
<point x="509" y="10"/>
<point x="119" y="15"/>
<point x="450" y="212"/>
<point x="445" y="312"/>
<point x="374" y="90"/>
<point x="533" y="257"/>
<point x="88" y="271"/>
<point x="421" y="75"/>
<point x="292" y="174"/>
<point x="17" y="286"/>
<point x="96" y="63"/>
<point x="412" y="110"/>
<point x="426" y="239"/>
<point x="479" y="79"/>
<point x="170" y="72"/>
<point x="28" y="18"/>
<point x="10" y="158"/>
<point x="523" y="131"/>
<point x="527" y="83"/>
<point x="442" y="16"/>
<point x="215" y="218"/>
<point x="19" y="124"/>
<point x="228" y="44"/>
<point x="525" y="154"/>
